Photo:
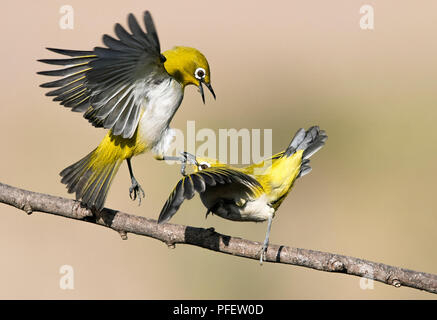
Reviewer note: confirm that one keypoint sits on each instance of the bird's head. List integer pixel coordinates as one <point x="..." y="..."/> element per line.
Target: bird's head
<point x="200" y="163"/>
<point x="189" y="66"/>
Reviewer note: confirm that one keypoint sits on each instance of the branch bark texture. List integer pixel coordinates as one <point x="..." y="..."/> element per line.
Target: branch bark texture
<point x="173" y="234"/>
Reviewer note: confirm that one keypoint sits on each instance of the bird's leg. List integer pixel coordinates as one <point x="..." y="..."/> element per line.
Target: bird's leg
<point x="170" y="158"/>
<point x="183" y="166"/>
<point x="135" y="190"/>
<point x="184" y="160"/>
<point x="266" y="241"/>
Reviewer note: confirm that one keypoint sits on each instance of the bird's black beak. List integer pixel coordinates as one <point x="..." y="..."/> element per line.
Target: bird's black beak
<point x="208" y="85"/>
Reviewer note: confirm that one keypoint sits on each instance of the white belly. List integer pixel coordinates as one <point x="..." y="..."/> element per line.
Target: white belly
<point x="257" y="210"/>
<point x="159" y="106"/>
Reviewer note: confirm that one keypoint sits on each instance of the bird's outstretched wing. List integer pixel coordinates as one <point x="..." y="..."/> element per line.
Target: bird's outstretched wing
<point x="110" y="83"/>
<point x="202" y="180"/>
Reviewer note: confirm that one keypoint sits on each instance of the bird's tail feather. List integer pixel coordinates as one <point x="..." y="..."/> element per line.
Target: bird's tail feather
<point x="310" y="142"/>
<point x="90" y="179"/>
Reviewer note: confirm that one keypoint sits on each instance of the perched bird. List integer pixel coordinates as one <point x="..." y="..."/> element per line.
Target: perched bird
<point x="252" y="193"/>
<point x="133" y="90"/>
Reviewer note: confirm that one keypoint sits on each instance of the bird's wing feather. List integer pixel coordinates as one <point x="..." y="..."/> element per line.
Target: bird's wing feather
<point x="203" y="180"/>
<point x="71" y="89"/>
<point x="110" y="83"/>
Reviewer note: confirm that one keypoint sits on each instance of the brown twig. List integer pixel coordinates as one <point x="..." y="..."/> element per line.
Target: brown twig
<point x="173" y="234"/>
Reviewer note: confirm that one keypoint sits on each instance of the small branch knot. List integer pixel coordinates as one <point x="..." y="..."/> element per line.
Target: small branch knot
<point x="123" y="234"/>
<point x="394" y="281"/>
<point x="209" y="232"/>
<point x="81" y="212"/>
<point x="171" y="245"/>
<point x="336" y="265"/>
<point x="27" y="208"/>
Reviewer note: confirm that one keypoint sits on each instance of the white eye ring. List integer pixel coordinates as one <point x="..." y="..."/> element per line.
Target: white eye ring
<point x="202" y="164"/>
<point x="200" y="73"/>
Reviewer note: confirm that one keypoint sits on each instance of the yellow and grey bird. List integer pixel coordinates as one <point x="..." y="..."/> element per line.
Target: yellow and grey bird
<point x="252" y="193"/>
<point x="133" y="90"/>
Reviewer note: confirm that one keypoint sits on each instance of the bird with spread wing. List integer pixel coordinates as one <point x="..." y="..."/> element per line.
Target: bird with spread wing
<point x="252" y="193"/>
<point x="131" y="88"/>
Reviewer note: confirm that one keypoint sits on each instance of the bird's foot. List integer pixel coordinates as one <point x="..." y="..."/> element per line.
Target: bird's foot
<point x="187" y="158"/>
<point x="135" y="191"/>
<point x="262" y="255"/>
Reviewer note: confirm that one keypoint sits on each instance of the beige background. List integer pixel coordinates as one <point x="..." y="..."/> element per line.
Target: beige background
<point x="284" y="65"/>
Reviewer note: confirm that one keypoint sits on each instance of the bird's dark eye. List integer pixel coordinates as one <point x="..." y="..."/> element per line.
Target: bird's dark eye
<point x="200" y="73"/>
<point x="204" y="165"/>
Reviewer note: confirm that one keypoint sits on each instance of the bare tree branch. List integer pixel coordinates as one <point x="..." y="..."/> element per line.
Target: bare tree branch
<point x="173" y="234"/>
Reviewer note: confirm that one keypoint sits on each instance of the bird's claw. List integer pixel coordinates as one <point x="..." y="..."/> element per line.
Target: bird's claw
<point x="185" y="159"/>
<point x="135" y="191"/>
<point x="262" y="256"/>
<point x="183" y="165"/>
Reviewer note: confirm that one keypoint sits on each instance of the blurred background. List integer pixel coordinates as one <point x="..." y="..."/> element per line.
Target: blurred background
<point x="280" y="66"/>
